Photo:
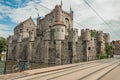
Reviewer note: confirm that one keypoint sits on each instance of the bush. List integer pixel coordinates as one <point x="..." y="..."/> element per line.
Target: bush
<point x="93" y="33"/>
<point x="102" y="56"/>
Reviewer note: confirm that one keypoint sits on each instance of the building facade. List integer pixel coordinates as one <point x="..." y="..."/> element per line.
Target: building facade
<point x="54" y="40"/>
<point x="116" y="47"/>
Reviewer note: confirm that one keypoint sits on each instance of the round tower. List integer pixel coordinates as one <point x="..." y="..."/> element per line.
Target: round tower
<point x="100" y="36"/>
<point x="58" y="10"/>
<point x="59" y="31"/>
<point x="107" y="38"/>
<point x="87" y="35"/>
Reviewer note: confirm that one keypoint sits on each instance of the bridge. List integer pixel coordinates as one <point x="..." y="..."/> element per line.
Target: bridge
<point x="105" y="69"/>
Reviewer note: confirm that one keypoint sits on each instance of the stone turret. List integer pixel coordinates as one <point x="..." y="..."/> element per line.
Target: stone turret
<point x="86" y="35"/>
<point x="58" y="10"/>
<point x="107" y="38"/>
<point x="59" y="31"/>
<point x="71" y="13"/>
<point x="99" y="36"/>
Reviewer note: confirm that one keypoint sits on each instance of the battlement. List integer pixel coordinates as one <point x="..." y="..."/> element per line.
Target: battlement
<point x="85" y="34"/>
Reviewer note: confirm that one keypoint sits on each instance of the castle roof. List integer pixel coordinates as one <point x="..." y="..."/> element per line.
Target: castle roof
<point x="21" y="23"/>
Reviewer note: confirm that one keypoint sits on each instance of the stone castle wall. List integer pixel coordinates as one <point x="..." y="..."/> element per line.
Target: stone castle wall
<point x="54" y="40"/>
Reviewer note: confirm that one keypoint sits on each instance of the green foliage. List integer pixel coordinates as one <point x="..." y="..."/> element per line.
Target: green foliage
<point x="102" y="56"/>
<point x="108" y="50"/>
<point x="2" y="44"/>
<point x="2" y="55"/>
<point x="93" y="33"/>
<point x="76" y="61"/>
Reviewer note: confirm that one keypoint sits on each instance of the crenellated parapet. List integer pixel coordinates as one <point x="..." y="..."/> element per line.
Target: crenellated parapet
<point x="73" y="34"/>
<point x="86" y="35"/>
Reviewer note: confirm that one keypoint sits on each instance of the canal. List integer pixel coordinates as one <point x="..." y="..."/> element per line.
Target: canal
<point x="2" y="65"/>
<point x="11" y="63"/>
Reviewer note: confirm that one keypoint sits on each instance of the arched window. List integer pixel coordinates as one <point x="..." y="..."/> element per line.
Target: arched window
<point x="67" y="20"/>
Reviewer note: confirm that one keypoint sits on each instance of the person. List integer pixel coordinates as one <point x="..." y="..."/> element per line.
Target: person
<point x="26" y="66"/>
<point x="17" y="67"/>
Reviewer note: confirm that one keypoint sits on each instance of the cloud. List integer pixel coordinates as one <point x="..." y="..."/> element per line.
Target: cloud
<point x="108" y="9"/>
<point x="1" y="17"/>
<point x="5" y="30"/>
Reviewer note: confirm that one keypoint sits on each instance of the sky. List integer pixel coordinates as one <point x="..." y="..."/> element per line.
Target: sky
<point x="12" y="12"/>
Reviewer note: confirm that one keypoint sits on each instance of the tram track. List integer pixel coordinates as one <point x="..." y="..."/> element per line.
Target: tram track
<point x="74" y="70"/>
<point x="56" y="77"/>
<point x="63" y="72"/>
<point x="78" y="64"/>
<point x="88" y="77"/>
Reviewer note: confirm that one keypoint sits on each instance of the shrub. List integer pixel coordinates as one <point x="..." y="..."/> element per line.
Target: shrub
<point x="102" y="56"/>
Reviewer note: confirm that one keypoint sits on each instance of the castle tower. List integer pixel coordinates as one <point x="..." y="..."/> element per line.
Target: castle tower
<point x="100" y="43"/>
<point x="59" y="35"/>
<point x="71" y="12"/>
<point x="74" y="33"/>
<point x="100" y="36"/>
<point x="59" y="31"/>
<point x="58" y="11"/>
<point x="107" y="38"/>
<point x="87" y="35"/>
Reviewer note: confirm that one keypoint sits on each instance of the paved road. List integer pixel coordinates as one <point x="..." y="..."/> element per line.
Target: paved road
<point x="113" y="75"/>
<point x="93" y="70"/>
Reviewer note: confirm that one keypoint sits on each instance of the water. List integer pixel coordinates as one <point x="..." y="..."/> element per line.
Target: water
<point x="10" y="63"/>
<point x="2" y="65"/>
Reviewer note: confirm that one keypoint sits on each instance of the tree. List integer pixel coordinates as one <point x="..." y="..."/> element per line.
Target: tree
<point x="2" y="44"/>
<point x="108" y="50"/>
<point x="93" y="33"/>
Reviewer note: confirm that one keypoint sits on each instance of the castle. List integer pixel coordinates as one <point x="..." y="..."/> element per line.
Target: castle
<point x="54" y="40"/>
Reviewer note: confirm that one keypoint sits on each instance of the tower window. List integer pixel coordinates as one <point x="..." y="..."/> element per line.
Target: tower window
<point x="49" y="26"/>
<point x="67" y="20"/>
<point x="20" y="30"/>
<point x="89" y="48"/>
<point x="54" y="42"/>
